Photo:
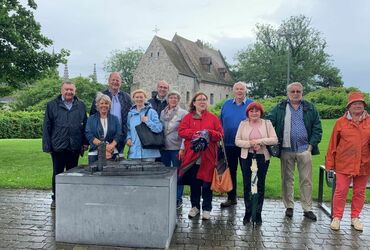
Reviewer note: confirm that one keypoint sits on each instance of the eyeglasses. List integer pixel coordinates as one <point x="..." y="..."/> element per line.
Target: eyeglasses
<point x="201" y="100"/>
<point x="295" y="91"/>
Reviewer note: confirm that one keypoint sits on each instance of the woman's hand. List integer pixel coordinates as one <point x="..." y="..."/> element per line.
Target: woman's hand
<point x="129" y="142"/>
<point x="144" y="119"/>
<point x="180" y="155"/>
<point x="256" y="146"/>
<point x="96" y="141"/>
<point x="110" y="147"/>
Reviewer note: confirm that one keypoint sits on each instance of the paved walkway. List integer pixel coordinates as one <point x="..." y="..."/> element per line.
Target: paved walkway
<point x="26" y="222"/>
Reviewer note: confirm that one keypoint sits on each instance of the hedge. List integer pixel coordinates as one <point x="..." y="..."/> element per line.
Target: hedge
<point x="25" y="125"/>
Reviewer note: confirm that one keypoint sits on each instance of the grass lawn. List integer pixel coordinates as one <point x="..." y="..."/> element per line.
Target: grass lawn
<point x="24" y="165"/>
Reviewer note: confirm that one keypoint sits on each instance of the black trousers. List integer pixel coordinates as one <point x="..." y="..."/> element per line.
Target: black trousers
<point x="199" y="188"/>
<point x="261" y="174"/>
<point x="233" y="155"/>
<point x="63" y="160"/>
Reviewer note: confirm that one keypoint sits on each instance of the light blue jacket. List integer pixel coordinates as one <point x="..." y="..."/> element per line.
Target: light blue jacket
<point x="134" y="118"/>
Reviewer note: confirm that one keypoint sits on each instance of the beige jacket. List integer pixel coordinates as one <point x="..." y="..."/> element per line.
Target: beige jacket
<point x="242" y="137"/>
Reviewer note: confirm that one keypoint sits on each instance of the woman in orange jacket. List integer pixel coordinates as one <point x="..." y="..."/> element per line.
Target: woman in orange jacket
<point x="349" y="156"/>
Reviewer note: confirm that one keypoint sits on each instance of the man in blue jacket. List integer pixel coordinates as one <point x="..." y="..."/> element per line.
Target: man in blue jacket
<point x="63" y="134"/>
<point x="232" y="113"/>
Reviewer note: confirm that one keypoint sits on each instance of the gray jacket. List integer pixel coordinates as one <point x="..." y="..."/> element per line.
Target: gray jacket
<point x="171" y="121"/>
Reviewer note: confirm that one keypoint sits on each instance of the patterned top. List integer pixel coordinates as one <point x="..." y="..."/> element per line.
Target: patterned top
<point x="298" y="132"/>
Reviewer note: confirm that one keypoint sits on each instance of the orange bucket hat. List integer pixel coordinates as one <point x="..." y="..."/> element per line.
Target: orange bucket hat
<point x="355" y="97"/>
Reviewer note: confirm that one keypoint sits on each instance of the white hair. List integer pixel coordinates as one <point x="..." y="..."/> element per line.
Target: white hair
<point x="243" y="84"/>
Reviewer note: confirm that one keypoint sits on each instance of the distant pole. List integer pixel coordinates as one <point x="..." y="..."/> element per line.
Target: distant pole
<point x="288" y="67"/>
<point x="287" y="35"/>
<point x="66" y="73"/>
<point x="95" y="77"/>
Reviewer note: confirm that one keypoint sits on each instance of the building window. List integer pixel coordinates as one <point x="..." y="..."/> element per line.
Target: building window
<point x="211" y="101"/>
<point x="187" y="96"/>
<point x="151" y="54"/>
<point x="206" y="63"/>
<point x="158" y="53"/>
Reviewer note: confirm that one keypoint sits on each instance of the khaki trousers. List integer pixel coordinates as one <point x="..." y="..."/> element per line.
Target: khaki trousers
<point x="304" y="165"/>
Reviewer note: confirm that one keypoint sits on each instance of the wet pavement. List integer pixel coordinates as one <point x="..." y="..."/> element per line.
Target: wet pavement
<point x="26" y="222"/>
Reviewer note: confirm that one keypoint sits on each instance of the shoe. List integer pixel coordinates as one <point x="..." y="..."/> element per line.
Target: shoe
<point x="247" y="218"/>
<point x="228" y="203"/>
<point x="258" y="219"/>
<point x="178" y="205"/>
<point x="335" y="224"/>
<point x="193" y="212"/>
<point x="206" y="215"/>
<point x="289" y="212"/>
<point x="356" y="224"/>
<point x="52" y="205"/>
<point x="310" y="215"/>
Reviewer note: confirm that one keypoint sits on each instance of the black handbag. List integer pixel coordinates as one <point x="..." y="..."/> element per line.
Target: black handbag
<point x="148" y="138"/>
<point x="274" y="150"/>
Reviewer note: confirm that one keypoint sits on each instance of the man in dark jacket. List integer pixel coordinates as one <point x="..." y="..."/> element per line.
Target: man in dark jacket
<point x="159" y="101"/>
<point x="63" y="131"/>
<point x="121" y="104"/>
<point x="298" y="127"/>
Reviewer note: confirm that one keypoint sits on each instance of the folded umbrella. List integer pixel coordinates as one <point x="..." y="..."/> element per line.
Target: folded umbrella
<point x="254" y="191"/>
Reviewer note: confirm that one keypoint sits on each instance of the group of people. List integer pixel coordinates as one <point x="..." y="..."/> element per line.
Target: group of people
<point x="192" y="140"/>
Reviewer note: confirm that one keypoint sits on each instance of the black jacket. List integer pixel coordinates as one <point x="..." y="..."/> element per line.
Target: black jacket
<point x="64" y="129"/>
<point x="157" y="105"/>
<point x="125" y="101"/>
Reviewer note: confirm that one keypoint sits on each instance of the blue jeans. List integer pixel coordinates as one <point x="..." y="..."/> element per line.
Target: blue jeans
<point x="169" y="159"/>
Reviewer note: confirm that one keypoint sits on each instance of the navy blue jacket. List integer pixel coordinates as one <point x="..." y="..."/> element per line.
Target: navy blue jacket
<point x="94" y="129"/>
<point x="64" y="129"/>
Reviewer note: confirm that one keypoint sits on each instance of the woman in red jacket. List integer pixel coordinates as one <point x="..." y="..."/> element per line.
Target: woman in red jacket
<point x="349" y="156"/>
<point x="201" y="131"/>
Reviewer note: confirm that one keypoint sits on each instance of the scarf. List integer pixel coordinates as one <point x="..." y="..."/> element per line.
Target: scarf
<point x="362" y="117"/>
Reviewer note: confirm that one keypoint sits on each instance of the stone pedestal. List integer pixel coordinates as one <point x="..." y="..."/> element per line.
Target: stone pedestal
<point x="131" y="211"/>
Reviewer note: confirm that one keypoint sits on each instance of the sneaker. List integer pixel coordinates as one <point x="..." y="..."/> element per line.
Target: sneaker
<point x="310" y="215"/>
<point x="193" y="212"/>
<point x="52" y="205"/>
<point x="179" y="205"/>
<point x="228" y="203"/>
<point x="206" y="215"/>
<point x="335" y="224"/>
<point x="356" y="224"/>
<point x="289" y="212"/>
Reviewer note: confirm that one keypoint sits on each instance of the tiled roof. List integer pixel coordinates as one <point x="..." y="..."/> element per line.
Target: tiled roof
<point x="176" y="57"/>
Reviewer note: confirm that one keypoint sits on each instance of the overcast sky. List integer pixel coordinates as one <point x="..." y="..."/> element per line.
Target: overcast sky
<point x="91" y="30"/>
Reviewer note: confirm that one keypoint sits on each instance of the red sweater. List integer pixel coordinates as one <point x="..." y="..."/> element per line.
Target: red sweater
<point x="191" y="124"/>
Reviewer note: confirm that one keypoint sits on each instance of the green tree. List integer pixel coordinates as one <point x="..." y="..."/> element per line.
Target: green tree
<point x="35" y="96"/>
<point x="264" y="65"/>
<point x="23" y="58"/>
<point x="125" y="62"/>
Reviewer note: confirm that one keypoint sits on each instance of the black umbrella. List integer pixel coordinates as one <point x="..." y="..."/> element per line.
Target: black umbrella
<point x="254" y="192"/>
